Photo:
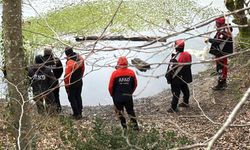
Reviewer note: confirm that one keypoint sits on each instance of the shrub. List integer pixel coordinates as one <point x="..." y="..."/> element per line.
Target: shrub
<point x="104" y="136"/>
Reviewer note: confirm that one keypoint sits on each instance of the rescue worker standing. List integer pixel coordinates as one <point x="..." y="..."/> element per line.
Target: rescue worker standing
<point x="73" y="81"/>
<point x="179" y="75"/>
<point x="122" y="84"/>
<point x="56" y="66"/>
<point x="222" y="44"/>
<point x="42" y="80"/>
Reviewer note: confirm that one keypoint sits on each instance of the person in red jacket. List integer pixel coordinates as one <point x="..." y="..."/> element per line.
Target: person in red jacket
<point x="222" y="44"/>
<point x="179" y="75"/>
<point x="73" y="81"/>
<point x="122" y="85"/>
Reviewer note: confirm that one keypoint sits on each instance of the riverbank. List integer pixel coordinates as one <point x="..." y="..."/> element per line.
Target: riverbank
<point x="208" y="111"/>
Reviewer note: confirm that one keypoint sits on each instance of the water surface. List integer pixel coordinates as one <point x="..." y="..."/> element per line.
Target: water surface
<point x="95" y="87"/>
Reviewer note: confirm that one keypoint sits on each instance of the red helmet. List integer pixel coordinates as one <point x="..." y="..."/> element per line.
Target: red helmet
<point x="122" y="62"/>
<point x="220" y="20"/>
<point x="179" y="43"/>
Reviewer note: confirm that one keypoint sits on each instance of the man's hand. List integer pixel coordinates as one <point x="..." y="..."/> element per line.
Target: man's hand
<point x="206" y="40"/>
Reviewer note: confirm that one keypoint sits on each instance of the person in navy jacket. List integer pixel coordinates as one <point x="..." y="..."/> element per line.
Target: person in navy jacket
<point x="122" y="85"/>
<point x="42" y="80"/>
<point x="179" y="75"/>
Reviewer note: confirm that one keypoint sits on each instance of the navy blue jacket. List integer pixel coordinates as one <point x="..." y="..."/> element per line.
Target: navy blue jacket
<point x="122" y="84"/>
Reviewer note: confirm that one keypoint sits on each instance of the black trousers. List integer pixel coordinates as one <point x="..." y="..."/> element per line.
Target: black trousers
<point x="129" y="106"/>
<point x="75" y="98"/>
<point x="56" y="95"/>
<point x="49" y="107"/>
<point x="176" y="90"/>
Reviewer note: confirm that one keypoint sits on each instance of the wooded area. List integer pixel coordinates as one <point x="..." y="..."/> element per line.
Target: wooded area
<point x="21" y="125"/>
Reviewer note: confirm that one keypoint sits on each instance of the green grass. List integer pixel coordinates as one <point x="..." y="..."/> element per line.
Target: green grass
<point x="91" y="18"/>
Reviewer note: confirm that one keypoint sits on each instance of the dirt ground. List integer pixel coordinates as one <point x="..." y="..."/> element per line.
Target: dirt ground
<point x="208" y="111"/>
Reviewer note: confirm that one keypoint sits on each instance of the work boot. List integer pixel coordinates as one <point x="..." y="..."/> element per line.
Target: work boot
<point x="171" y="110"/>
<point x="77" y="117"/>
<point x="222" y="84"/>
<point x="184" y="105"/>
<point x="218" y="87"/>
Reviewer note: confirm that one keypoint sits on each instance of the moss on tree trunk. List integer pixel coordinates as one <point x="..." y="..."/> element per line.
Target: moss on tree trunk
<point x="240" y="18"/>
<point x="16" y="72"/>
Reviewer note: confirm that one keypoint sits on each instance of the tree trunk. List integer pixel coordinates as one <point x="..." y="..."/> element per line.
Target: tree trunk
<point x="240" y="18"/>
<point x="16" y="73"/>
<point x="120" y="38"/>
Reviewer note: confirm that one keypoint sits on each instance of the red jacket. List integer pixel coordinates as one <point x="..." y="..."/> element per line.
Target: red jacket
<point x="74" y="70"/>
<point x="178" y="73"/>
<point x="184" y="57"/>
<point x="123" y="82"/>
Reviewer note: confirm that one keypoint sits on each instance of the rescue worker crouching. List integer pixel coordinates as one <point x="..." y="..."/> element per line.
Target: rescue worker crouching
<point x="222" y="44"/>
<point x="73" y="81"/>
<point x="179" y="75"/>
<point x="122" y="85"/>
<point x="42" y="80"/>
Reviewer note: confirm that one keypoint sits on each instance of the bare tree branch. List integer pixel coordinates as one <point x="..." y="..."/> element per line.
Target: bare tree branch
<point x="109" y="24"/>
<point x="229" y="120"/>
<point x="190" y="146"/>
<point x="22" y="103"/>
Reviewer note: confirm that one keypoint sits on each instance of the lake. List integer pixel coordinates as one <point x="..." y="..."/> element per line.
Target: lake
<point x="95" y="87"/>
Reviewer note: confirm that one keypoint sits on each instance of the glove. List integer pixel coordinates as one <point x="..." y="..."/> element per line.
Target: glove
<point x="206" y="40"/>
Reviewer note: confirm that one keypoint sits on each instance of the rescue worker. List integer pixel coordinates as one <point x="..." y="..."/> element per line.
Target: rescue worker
<point x="73" y="81"/>
<point x="55" y="65"/>
<point x="179" y="75"/>
<point x="222" y="44"/>
<point x="122" y="84"/>
<point x="42" y="80"/>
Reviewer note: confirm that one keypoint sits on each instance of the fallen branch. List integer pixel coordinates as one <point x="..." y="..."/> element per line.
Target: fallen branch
<point x="119" y="38"/>
<point x="190" y="146"/>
